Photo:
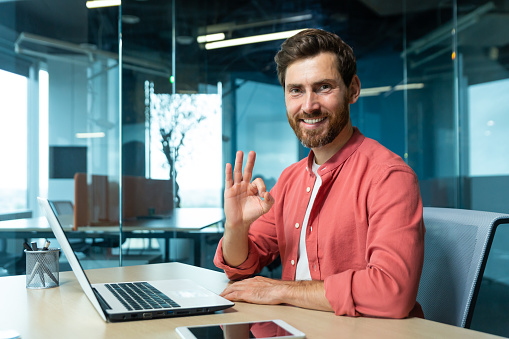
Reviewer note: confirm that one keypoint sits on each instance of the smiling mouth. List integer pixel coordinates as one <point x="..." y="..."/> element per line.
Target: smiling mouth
<point x="313" y="121"/>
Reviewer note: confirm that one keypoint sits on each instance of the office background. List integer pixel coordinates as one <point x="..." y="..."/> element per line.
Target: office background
<point x="129" y="91"/>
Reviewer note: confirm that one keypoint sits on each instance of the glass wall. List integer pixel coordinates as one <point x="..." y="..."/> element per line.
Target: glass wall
<point x="432" y="111"/>
<point x="483" y="110"/>
<point x="456" y="122"/>
<point x="60" y="126"/>
<point x="151" y="138"/>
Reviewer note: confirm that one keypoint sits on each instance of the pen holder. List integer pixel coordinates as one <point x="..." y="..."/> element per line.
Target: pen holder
<point x="42" y="268"/>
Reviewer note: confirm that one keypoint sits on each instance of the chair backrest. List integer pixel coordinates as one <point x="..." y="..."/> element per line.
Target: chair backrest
<point x="457" y="244"/>
<point x="96" y="201"/>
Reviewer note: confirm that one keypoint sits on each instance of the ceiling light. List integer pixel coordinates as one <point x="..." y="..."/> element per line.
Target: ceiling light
<point x="210" y="37"/>
<point x="90" y="135"/>
<point x="252" y="39"/>
<point x="366" y="92"/>
<point x="374" y="91"/>
<point x="130" y="19"/>
<point x="103" y="3"/>
<point x="185" y="39"/>
<point x="409" y="86"/>
<point x="232" y="26"/>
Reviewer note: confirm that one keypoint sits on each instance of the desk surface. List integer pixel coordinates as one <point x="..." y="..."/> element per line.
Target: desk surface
<point x="181" y="220"/>
<point x="65" y="312"/>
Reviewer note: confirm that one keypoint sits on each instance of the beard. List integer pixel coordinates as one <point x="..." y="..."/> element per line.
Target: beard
<point x="318" y="137"/>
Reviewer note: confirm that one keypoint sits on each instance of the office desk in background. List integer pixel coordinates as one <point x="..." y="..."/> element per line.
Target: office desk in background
<point x="65" y="312"/>
<point x="189" y="222"/>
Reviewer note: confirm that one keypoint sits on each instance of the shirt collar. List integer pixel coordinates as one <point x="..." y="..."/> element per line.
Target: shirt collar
<point x="337" y="159"/>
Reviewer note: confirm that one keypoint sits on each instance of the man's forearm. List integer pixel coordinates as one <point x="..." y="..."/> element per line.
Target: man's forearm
<point x="235" y="246"/>
<point x="306" y="294"/>
<point x="261" y="290"/>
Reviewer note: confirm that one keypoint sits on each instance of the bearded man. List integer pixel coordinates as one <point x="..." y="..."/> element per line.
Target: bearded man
<point x="346" y="221"/>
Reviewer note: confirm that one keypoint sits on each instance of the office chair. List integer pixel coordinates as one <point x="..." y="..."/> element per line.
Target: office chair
<point x="65" y="214"/>
<point x="64" y="210"/>
<point x="457" y="244"/>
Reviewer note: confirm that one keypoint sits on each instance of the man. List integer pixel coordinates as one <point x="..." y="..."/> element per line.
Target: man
<point x="346" y="221"/>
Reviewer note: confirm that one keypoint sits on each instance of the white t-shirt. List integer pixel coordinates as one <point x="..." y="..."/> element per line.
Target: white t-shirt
<point x="302" y="272"/>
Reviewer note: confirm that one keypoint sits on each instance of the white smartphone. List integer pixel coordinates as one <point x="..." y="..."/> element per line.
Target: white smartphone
<point x="258" y="329"/>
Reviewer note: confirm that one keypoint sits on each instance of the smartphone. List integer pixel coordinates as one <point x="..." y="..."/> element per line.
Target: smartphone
<point x="258" y="329"/>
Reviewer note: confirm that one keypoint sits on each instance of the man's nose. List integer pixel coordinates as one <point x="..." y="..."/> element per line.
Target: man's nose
<point x="311" y="102"/>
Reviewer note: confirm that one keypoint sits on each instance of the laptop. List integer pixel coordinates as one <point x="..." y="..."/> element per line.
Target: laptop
<point x="126" y="301"/>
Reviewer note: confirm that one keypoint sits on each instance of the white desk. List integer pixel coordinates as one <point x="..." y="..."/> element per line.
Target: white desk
<point x="181" y="220"/>
<point x="65" y="312"/>
<point x="188" y="221"/>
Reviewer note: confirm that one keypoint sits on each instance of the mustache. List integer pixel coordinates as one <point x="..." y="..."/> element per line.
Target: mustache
<point x="314" y="115"/>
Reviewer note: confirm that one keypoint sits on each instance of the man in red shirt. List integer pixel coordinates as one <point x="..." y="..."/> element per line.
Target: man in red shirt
<point x="346" y="221"/>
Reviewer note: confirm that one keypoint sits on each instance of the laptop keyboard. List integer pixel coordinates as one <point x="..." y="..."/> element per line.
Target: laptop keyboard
<point x="141" y="296"/>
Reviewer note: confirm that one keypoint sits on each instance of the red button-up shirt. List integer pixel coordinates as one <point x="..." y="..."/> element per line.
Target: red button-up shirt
<point x="365" y="234"/>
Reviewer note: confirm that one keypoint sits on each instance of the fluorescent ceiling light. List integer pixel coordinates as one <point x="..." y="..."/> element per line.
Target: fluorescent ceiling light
<point x="90" y="135"/>
<point x="103" y="3"/>
<point x="252" y="39"/>
<point x="374" y="91"/>
<point x="409" y="86"/>
<point x="366" y="92"/>
<point x="211" y="37"/>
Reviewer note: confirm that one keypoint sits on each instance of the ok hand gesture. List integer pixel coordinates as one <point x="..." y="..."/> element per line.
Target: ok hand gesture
<point x="244" y="201"/>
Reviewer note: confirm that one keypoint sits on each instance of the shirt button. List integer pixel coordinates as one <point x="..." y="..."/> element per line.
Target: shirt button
<point x="297" y="225"/>
<point x="314" y="266"/>
<point x="308" y="189"/>
<point x="293" y="262"/>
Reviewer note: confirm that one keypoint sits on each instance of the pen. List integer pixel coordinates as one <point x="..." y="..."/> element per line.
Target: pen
<point x="27" y="246"/>
<point x="34" y="246"/>
<point x="46" y="245"/>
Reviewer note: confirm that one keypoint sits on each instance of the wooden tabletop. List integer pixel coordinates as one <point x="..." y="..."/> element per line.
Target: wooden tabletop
<point x="65" y="312"/>
<point x="180" y="220"/>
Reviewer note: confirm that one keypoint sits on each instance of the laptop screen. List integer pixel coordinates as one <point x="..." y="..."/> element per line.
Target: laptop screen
<point x="69" y="253"/>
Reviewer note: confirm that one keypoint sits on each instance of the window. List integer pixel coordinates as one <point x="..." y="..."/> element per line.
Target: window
<point x="489" y="117"/>
<point x="191" y="125"/>
<point x="13" y="141"/>
<point x="262" y="126"/>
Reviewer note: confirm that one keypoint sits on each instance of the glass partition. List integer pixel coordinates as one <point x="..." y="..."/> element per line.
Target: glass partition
<point x="135" y="145"/>
<point x="65" y="125"/>
<point x="456" y="122"/>
<point x="431" y="111"/>
<point x="483" y="68"/>
<point x="483" y="110"/>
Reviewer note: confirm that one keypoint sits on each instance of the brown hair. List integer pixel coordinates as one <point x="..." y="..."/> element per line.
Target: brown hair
<point x="311" y="42"/>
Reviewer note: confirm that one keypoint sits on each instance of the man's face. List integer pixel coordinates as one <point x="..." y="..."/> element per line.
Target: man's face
<point x="316" y="100"/>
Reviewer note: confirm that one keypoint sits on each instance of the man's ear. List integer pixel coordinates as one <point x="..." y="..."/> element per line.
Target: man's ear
<point x="355" y="89"/>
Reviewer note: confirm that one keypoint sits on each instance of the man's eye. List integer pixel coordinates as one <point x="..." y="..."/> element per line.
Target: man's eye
<point x="325" y="87"/>
<point x="294" y="91"/>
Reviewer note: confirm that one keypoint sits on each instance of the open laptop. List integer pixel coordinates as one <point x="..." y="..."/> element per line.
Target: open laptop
<point x="122" y="301"/>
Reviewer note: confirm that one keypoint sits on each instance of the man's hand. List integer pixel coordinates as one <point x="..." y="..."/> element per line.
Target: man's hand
<point x="260" y="290"/>
<point x="257" y="290"/>
<point x="244" y="202"/>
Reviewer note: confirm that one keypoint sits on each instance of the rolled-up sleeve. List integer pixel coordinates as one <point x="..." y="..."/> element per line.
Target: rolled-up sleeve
<point x="245" y="270"/>
<point x="262" y="248"/>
